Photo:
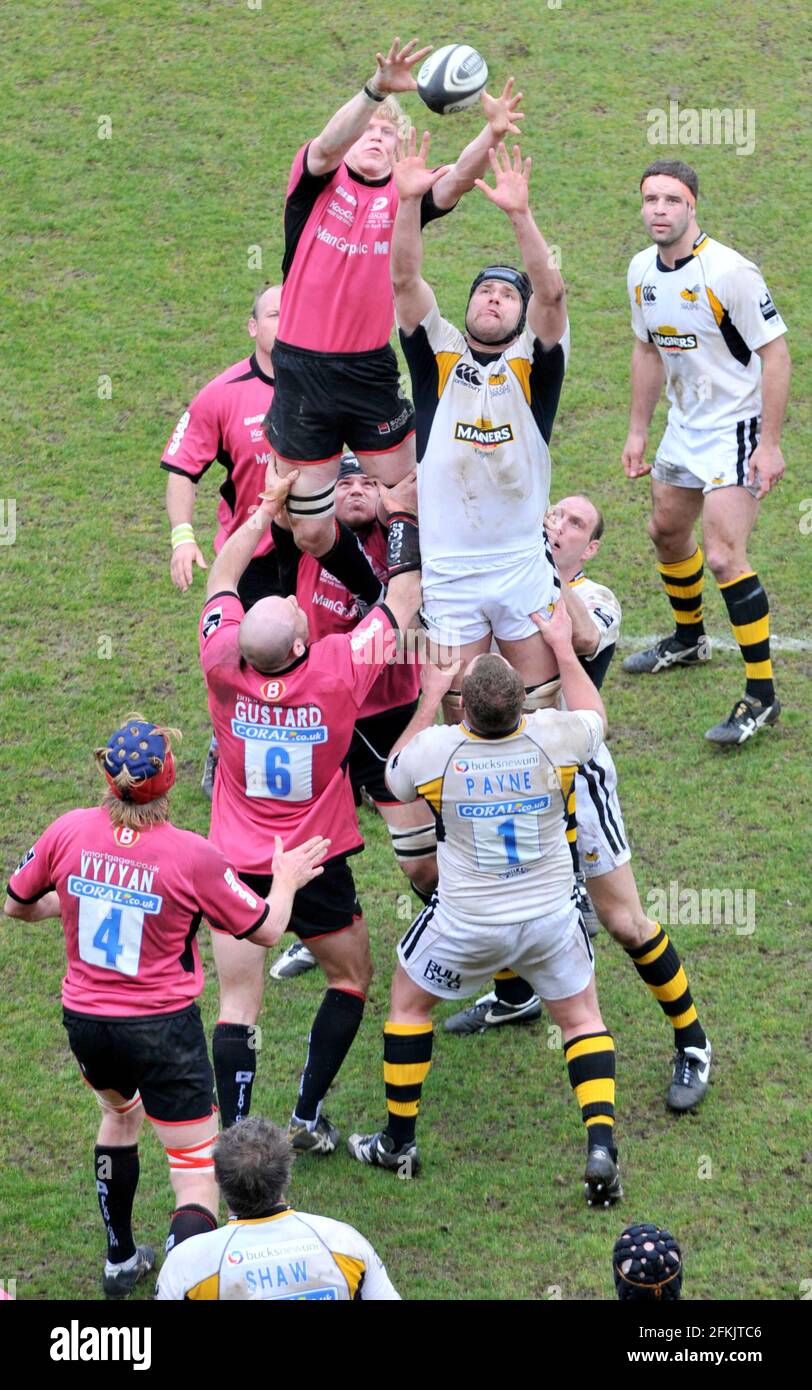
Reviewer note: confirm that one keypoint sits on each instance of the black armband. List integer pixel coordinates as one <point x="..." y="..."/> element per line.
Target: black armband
<point x="402" y="544"/>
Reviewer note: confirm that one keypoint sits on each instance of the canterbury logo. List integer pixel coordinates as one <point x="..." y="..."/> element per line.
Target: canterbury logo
<point x="472" y="434"/>
<point x="469" y="375"/>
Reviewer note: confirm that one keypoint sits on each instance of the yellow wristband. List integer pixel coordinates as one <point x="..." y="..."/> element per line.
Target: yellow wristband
<point x="182" y="535"/>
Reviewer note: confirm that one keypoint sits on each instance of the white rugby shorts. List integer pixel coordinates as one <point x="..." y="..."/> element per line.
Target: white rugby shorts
<point x="464" y="601"/>
<point x="601" y="833"/>
<point x="707" y="459"/>
<point x="452" y="958"/>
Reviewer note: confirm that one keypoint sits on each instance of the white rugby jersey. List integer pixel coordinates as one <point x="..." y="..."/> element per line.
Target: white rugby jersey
<point x="604" y="609"/>
<point x="501" y="849"/>
<point x="707" y="316"/>
<point x="288" y="1255"/>
<point x="483" y="477"/>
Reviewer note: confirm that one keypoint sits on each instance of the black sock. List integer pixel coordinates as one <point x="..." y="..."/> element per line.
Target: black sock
<point x="117" y="1170"/>
<point x="510" y="988"/>
<point x="235" y="1067"/>
<point x="288" y="555"/>
<point x="347" y="561"/>
<point x="189" y="1220"/>
<point x="331" y="1036"/>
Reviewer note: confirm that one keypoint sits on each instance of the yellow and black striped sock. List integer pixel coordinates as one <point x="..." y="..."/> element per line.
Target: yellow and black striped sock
<point x="749" y="614"/>
<point x="683" y="582"/>
<point x="658" y="964"/>
<point x="591" y="1067"/>
<point x="406" y="1062"/>
<point x="510" y="988"/>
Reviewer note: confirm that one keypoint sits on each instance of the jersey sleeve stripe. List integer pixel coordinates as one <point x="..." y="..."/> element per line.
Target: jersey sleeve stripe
<point x="242" y="935"/>
<point x="353" y="1270"/>
<point x="207" y="1290"/>
<point x="446" y="362"/>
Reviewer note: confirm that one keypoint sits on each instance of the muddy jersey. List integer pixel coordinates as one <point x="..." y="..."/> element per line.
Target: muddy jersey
<point x="223" y="425"/>
<point x="288" y="1255"/>
<point x="284" y="739"/>
<point x="332" y="608"/>
<point x="707" y="316"/>
<point x="501" y="849"/>
<point x="131" y="904"/>
<point x="483" y="475"/>
<point x="337" y="294"/>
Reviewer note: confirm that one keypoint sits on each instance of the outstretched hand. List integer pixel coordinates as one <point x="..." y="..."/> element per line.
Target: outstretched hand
<point x="557" y="628"/>
<point x="402" y="497"/>
<point x="275" y="493"/>
<point x="511" y="192"/>
<point x="395" y="69"/>
<point x="296" y="867"/>
<point x="501" y="112"/>
<point x="412" y="178"/>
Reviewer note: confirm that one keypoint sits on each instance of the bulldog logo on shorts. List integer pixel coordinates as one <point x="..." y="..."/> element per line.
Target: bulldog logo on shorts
<point x="441" y="975"/>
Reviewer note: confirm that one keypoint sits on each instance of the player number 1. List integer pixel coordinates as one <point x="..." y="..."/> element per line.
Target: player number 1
<point x="507" y="831"/>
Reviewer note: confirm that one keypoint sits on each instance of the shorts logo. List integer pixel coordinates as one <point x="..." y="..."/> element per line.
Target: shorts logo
<point x="26" y="859"/>
<point x="649" y="294"/>
<point x="718" y="480"/>
<point x="768" y="309"/>
<point x="592" y="856"/>
<point x="235" y="1257"/>
<point x="469" y="376"/>
<point x="272" y="690"/>
<point x="387" y="426"/>
<point x="441" y="975"/>
<point x="671" y="340"/>
<point x="212" y="621"/>
<point x="125" y="837"/>
<point x="483" y="434"/>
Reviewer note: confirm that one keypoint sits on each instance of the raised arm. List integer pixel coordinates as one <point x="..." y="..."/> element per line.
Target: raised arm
<point x="413" y="297"/>
<point x="393" y="73"/>
<point x="501" y="115"/>
<point x="231" y="563"/>
<point x="547" y="310"/>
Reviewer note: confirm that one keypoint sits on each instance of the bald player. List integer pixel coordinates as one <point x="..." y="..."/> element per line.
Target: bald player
<point x="284" y="713"/>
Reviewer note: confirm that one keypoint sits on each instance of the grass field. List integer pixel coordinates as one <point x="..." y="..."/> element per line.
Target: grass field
<point x="130" y="264"/>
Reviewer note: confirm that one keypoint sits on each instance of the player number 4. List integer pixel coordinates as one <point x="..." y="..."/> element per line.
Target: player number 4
<point x="107" y="937"/>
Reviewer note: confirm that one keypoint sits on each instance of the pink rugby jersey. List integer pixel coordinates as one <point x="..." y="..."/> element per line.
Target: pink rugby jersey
<point x="131" y="905"/>
<point x="337" y="294"/>
<point x="224" y="425"/>
<point x="284" y="739"/>
<point x="332" y="608"/>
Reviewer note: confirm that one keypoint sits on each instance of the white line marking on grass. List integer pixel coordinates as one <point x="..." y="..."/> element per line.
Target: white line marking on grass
<point x="778" y="644"/>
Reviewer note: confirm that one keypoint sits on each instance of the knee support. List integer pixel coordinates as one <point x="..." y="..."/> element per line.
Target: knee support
<point x="198" y="1158"/>
<point x="415" y="843"/>
<point x="124" y="1109"/>
<point x="312" y="507"/>
<point x="544" y="696"/>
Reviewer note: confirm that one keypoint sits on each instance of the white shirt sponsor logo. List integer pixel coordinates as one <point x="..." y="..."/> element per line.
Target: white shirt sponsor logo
<point x="236" y="887"/>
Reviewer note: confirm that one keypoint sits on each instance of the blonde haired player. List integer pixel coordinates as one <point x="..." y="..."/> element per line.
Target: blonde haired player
<point x="705" y="323"/>
<point x="130" y="890"/>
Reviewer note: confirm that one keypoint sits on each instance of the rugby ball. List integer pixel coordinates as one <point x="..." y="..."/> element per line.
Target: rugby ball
<point x="452" y="78"/>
